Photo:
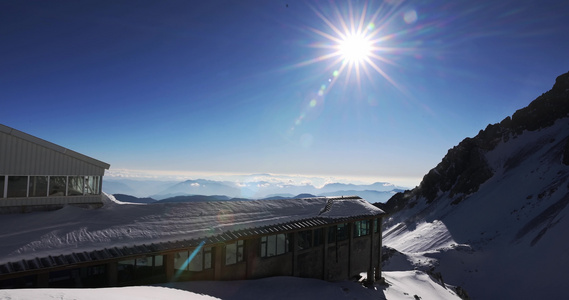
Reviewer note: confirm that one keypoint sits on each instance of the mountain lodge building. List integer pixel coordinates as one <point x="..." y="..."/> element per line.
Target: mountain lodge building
<point x="120" y="244"/>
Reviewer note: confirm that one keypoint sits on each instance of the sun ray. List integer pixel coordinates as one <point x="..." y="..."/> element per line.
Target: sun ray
<point x="353" y="41"/>
<point x="358" y="39"/>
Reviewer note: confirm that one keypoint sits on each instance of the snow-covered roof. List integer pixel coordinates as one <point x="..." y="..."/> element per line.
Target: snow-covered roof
<point x="73" y="234"/>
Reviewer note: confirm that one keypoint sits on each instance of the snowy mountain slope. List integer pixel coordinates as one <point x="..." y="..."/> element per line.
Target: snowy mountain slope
<point x="493" y="216"/>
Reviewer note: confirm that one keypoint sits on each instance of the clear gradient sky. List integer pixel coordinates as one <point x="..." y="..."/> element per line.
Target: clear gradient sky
<point x="218" y="87"/>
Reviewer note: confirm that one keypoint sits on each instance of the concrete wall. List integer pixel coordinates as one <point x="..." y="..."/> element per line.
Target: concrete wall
<point x="272" y="266"/>
<point x="337" y="260"/>
<point x="360" y="255"/>
<point x="310" y="263"/>
<point x="46" y="203"/>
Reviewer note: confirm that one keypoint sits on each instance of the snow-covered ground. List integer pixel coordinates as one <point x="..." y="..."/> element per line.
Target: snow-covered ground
<point x="399" y="286"/>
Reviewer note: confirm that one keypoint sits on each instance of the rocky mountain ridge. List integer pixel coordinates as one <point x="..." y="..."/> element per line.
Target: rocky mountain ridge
<point x="465" y="168"/>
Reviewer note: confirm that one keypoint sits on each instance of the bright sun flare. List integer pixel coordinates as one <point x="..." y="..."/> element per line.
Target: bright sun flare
<point x="355" y="48"/>
<point x="356" y="44"/>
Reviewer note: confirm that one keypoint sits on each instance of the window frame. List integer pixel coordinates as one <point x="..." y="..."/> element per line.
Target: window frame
<point x="305" y="240"/>
<point x="238" y="252"/>
<point x="34" y="182"/>
<point x="362" y="228"/>
<point x="204" y="255"/>
<point x="267" y="240"/>
<point x="10" y="193"/>
<point x="3" y="186"/>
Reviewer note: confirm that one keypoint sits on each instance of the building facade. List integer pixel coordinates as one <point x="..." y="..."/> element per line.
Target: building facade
<point x="38" y="175"/>
<point x="329" y="247"/>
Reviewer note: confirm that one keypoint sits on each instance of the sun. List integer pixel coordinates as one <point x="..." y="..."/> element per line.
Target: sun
<point x="353" y="42"/>
<point x="355" y="48"/>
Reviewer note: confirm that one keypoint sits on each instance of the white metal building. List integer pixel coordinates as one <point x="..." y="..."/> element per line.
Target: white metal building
<point x="38" y="175"/>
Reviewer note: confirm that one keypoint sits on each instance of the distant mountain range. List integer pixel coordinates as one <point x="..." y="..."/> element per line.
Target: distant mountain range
<point x="493" y="215"/>
<point x="161" y="190"/>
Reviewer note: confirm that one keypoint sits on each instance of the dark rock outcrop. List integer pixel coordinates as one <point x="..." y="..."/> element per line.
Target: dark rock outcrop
<point x="464" y="168"/>
<point x="566" y="153"/>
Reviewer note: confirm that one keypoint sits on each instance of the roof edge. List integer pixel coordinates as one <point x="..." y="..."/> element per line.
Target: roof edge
<point x="49" y="145"/>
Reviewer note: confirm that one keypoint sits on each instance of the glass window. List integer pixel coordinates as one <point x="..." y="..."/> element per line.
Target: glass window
<point x="332" y="234"/>
<point x="64" y="278"/>
<point x="38" y="186"/>
<point x="159" y="260"/>
<point x="240" y="251"/>
<point x="93" y="276"/>
<point x="361" y="228"/>
<point x="17" y="186"/>
<point x="2" y="179"/>
<point x="342" y="232"/>
<point x="75" y="186"/>
<point x="318" y="237"/>
<point x="338" y="233"/>
<point x="202" y="260"/>
<point x="234" y="252"/>
<point x="304" y="240"/>
<point x="375" y="225"/>
<point x="144" y="261"/>
<point x="207" y="257"/>
<point x="196" y="264"/>
<point x="92" y="185"/>
<point x="263" y="246"/>
<point x="57" y="185"/>
<point x="143" y="267"/>
<point x="125" y="270"/>
<point x="282" y="243"/>
<point x="180" y="260"/>
<point x="272" y="245"/>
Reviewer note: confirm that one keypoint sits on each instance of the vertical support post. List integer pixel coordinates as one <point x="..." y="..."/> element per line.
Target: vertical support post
<point x="42" y="280"/>
<point x="350" y="244"/>
<point x="47" y="193"/>
<point x="292" y="240"/>
<point x="112" y="273"/>
<point x="5" y="191"/>
<point x="370" y="275"/>
<point x="218" y="254"/>
<point x="28" y="187"/>
<point x="294" y="236"/>
<point x="169" y="266"/>
<point x="252" y="247"/>
<point x="379" y="245"/>
<point x="325" y="254"/>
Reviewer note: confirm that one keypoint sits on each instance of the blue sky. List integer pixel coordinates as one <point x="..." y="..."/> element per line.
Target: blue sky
<point x="244" y="87"/>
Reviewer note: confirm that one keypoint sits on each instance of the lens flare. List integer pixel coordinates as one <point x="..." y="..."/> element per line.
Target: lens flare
<point x="358" y="40"/>
<point x="355" y="48"/>
<point x="355" y="40"/>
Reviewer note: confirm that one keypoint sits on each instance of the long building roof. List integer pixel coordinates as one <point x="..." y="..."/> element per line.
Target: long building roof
<point x="71" y="235"/>
<point x="49" y="145"/>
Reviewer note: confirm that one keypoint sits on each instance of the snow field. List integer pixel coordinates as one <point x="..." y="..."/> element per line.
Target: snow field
<point x="400" y="286"/>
